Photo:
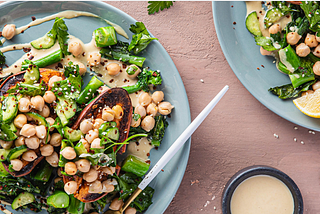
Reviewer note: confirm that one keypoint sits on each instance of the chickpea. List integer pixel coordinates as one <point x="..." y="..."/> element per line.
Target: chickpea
<point x="133" y="71"/>
<point x="274" y="29"/>
<point x="92" y="134"/>
<point x="97" y="123"/>
<point x="70" y="168"/>
<point x="45" y="111"/>
<point x="265" y="52"/>
<point x="311" y="40"/>
<point x="152" y="109"/>
<point x="144" y="99"/>
<point x="90" y="176"/>
<point x="293" y="38"/>
<point x="113" y="169"/>
<point x="316" y="85"/>
<point x="19" y="141"/>
<point x="94" y="59"/>
<point x="130" y="210"/>
<point x="108" y="114"/>
<point x="316" y="51"/>
<point x="135" y="123"/>
<point x="148" y="123"/>
<point x="165" y="108"/>
<point x="68" y="153"/>
<point x="107" y="187"/>
<point x="116" y="204"/>
<point x="37" y="102"/>
<point x="82" y="68"/>
<point x="6" y="144"/>
<point x="51" y="121"/>
<point x="302" y="50"/>
<point x="56" y="180"/>
<point x="56" y="139"/>
<point x="157" y="96"/>
<point x="49" y="97"/>
<point x="86" y="126"/>
<point x="111" y="181"/>
<point x="16" y="164"/>
<point x="53" y="159"/>
<point x="113" y="69"/>
<point x="316" y="68"/>
<point x="24" y="104"/>
<point x="9" y="31"/>
<point x="307" y="92"/>
<point x="70" y="187"/>
<point x="20" y="121"/>
<point x="41" y="131"/>
<point x="59" y="172"/>
<point x="32" y="142"/>
<point x="75" y="48"/>
<point x="139" y="109"/>
<point x="28" y="130"/>
<point x="29" y="156"/>
<point x="46" y="150"/>
<point x="85" y="143"/>
<point x="83" y="165"/>
<point x="96" y="144"/>
<point x="107" y="170"/>
<point x="95" y="187"/>
<point x="118" y="111"/>
<point x="54" y="79"/>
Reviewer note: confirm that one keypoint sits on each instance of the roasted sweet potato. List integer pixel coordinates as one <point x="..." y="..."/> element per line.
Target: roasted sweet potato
<point x="45" y="75"/>
<point x="111" y="97"/>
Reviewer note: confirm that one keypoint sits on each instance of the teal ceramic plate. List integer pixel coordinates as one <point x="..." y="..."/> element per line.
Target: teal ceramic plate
<point x="20" y="13"/>
<point x="244" y="57"/>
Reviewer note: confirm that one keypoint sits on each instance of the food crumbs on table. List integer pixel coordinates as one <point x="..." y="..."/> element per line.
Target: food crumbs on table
<point x="201" y="80"/>
<point x="295" y="139"/>
<point x="302" y="142"/>
<point x="234" y="23"/>
<point x="262" y="66"/>
<point x="258" y="68"/>
<point x="275" y="135"/>
<point x="215" y="208"/>
<point x="296" y="128"/>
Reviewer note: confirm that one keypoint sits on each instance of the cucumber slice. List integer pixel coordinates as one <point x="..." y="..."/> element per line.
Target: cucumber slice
<point x="113" y="133"/>
<point x="273" y="15"/>
<point x="10" y="108"/>
<point x="32" y="74"/>
<point x="12" y="127"/>
<point x="3" y="171"/>
<point x="22" y="199"/>
<point x="4" y="154"/>
<point x="252" y="24"/>
<point x="59" y="199"/>
<point x="103" y="128"/>
<point x="80" y="149"/>
<point x="6" y="133"/>
<point x="44" y="42"/>
<point x="135" y="165"/>
<point x="16" y="152"/>
<point x="72" y="135"/>
<point x="38" y="118"/>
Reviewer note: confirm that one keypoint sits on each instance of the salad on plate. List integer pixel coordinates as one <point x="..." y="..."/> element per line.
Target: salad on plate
<point x="72" y="147"/>
<point x="289" y="32"/>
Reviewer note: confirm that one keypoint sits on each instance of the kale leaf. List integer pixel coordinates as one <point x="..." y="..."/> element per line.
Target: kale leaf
<point x="311" y="11"/>
<point x="140" y="39"/>
<point x="157" y="133"/>
<point x="30" y="90"/>
<point x="60" y="29"/>
<point x="288" y="91"/>
<point x="155" y="6"/>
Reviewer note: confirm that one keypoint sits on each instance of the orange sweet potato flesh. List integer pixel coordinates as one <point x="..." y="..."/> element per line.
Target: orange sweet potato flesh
<point x="45" y="75"/>
<point x="111" y="97"/>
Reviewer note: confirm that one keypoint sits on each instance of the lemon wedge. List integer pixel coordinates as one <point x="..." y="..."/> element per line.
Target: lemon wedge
<point x="309" y="104"/>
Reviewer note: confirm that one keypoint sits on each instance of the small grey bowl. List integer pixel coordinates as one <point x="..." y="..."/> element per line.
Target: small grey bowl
<point x="260" y="170"/>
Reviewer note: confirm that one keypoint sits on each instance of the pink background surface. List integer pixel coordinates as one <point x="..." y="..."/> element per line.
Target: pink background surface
<point x="240" y="131"/>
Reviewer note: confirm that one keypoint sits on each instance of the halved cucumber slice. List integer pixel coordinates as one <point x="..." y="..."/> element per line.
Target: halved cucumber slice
<point x="38" y="118"/>
<point x="273" y="15"/>
<point x="44" y="42"/>
<point x="4" y="154"/>
<point x="252" y="24"/>
<point x="72" y="135"/>
<point x="32" y="74"/>
<point x="22" y="199"/>
<point x="16" y="152"/>
<point x="10" y="108"/>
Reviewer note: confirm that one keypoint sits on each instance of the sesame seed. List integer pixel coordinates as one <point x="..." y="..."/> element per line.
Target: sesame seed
<point x="275" y="135"/>
<point x="302" y="142"/>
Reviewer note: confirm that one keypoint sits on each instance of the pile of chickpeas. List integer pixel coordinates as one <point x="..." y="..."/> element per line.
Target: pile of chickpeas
<point x="34" y="136"/>
<point x="310" y="44"/>
<point x="148" y="108"/>
<point x="92" y="174"/>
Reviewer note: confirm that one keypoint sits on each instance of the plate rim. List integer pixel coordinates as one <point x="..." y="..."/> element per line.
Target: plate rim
<point x="187" y="145"/>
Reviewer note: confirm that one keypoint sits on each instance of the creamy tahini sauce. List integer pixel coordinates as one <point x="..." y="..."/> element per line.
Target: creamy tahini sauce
<point x="140" y="149"/>
<point x="257" y="6"/>
<point x="262" y="194"/>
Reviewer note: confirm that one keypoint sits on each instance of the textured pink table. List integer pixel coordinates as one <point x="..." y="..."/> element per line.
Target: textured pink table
<point x="240" y="131"/>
